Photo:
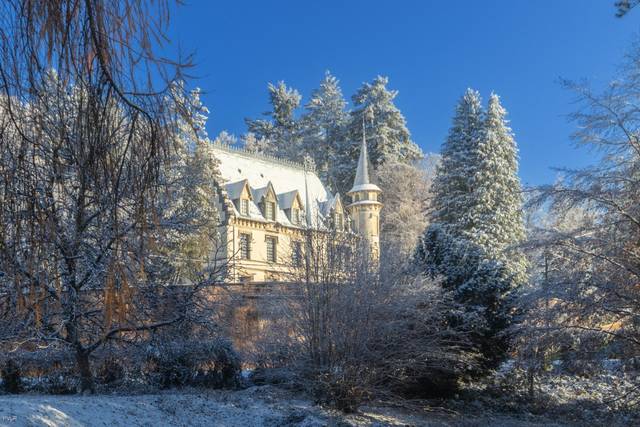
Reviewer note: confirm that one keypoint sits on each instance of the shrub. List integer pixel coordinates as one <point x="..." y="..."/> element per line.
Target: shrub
<point x="344" y="389"/>
<point x="11" y="377"/>
<point x="110" y="371"/>
<point x="211" y="364"/>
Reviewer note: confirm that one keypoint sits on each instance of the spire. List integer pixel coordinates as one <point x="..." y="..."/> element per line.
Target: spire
<point x="307" y="202"/>
<point x="362" y="173"/>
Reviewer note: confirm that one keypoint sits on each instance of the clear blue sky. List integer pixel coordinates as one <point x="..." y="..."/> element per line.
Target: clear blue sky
<point x="431" y="51"/>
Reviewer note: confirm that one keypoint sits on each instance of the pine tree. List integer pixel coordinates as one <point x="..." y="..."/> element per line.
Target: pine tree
<point x="324" y="127"/>
<point x="497" y="210"/>
<point x="386" y="127"/>
<point x="477" y="218"/>
<point x="279" y="135"/>
<point x="190" y="198"/>
<point x="453" y="183"/>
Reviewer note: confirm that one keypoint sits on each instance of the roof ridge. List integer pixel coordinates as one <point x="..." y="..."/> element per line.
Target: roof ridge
<point x="269" y="157"/>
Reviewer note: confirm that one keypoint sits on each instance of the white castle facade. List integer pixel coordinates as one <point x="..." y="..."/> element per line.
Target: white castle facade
<point x="268" y="205"/>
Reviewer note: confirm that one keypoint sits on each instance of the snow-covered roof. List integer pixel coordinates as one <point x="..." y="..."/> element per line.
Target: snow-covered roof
<point x="286" y="199"/>
<point x="365" y="187"/>
<point x="259" y="193"/>
<point x="286" y="177"/>
<point x="234" y="189"/>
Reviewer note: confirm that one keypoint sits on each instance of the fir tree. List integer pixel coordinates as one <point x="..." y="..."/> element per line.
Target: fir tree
<point x="386" y="127"/>
<point x="477" y="219"/>
<point x="387" y="135"/>
<point x="498" y="223"/>
<point x="453" y="185"/>
<point x="324" y="127"/>
<point x="279" y="135"/>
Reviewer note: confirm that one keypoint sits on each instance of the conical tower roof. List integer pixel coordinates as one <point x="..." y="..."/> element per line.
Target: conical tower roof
<point x="362" y="181"/>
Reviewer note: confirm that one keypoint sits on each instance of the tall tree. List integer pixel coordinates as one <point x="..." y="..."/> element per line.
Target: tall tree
<point x="280" y="133"/>
<point x="477" y="217"/>
<point x="453" y="184"/>
<point x="624" y="6"/>
<point x="386" y="129"/>
<point x="595" y="290"/>
<point x="498" y="223"/>
<point x="81" y="154"/>
<point x="324" y="127"/>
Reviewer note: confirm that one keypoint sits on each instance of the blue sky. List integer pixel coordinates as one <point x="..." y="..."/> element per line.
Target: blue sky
<point x="431" y="51"/>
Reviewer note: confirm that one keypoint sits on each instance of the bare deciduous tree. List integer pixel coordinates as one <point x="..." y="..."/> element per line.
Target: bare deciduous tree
<point x="91" y="122"/>
<point x="590" y="284"/>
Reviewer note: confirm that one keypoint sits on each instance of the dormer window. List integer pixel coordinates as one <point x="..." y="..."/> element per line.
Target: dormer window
<point x="244" y="207"/>
<point x="270" y="211"/>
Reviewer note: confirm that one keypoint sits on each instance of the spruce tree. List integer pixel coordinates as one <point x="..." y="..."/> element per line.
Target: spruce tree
<point x="454" y="181"/>
<point x="498" y="224"/>
<point x="386" y="128"/>
<point x="280" y="133"/>
<point x="477" y="220"/>
<point x="324" y="126"/>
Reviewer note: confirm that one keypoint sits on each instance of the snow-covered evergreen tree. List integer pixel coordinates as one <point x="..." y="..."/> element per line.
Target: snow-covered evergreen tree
<point x="477" y="220"/>
<point x="324" y="127"/>
<point x="188" y="202"/>
<point x="386" y="127"/>
<point x="226" y="138"/>
<point x="498" y="223"/>
<point x="453" y="183"/>
<point x="280" y="133"/>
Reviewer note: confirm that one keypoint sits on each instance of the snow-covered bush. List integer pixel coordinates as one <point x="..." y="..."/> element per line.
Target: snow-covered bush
<point x="353" y="333"/>
<point x="212" y="364"/>
<point x="48" y="371"/>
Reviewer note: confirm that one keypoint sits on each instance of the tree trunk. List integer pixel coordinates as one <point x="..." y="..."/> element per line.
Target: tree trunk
<point x="531" y="381"/>
<point x="86" y="377"/>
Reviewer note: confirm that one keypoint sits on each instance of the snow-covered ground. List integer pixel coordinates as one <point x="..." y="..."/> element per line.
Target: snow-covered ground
<point x="254" y="406"/>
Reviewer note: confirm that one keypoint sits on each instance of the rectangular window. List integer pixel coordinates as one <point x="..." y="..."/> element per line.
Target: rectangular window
<point x="295" y="216"/>
<point x="297" y="254"/>
<point x="270" y="211"/>
<point x="339" y="222"/>
<point x="244" y="207"/>
<point x="245" y="246"/>
<point x="271" y="249"/>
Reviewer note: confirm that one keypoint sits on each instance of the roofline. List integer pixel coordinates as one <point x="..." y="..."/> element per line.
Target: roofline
<point x="255" y="155"/>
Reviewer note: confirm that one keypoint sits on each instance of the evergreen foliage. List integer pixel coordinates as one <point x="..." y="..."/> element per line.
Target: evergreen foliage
<point x="386" y="130"/>
<point x="280" y="134"/>
<point x="324" y="127"/>
<point x="477" y="221"/>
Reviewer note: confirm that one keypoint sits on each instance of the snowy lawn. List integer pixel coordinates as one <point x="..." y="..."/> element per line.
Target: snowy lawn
<point x="255" y="406"/>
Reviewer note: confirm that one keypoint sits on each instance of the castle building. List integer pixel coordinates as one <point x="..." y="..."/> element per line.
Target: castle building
<point x="268" y="204"/>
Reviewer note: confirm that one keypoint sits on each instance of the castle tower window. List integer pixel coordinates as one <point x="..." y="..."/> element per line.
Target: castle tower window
<point x="270" y="211"/>
<point x="271" y="249"/>
<point x="245" y="246"/>
<point x="339" y="222"/>
<point x="244" y="207"/>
